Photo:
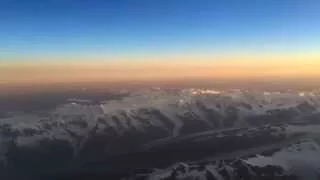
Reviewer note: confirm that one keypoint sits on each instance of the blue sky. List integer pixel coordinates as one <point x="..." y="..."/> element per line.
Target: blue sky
<point x="129" y="27"/>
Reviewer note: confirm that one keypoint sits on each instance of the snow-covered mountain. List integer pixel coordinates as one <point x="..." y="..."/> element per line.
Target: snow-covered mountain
<point x="77" y="132"/>
<point x="298" y="161"/>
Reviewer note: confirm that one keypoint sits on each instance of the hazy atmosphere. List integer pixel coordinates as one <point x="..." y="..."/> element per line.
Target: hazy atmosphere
<point x="55" y="41"/>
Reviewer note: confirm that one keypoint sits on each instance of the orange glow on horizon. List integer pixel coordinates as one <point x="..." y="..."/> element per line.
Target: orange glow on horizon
<point x="161" y="68"/>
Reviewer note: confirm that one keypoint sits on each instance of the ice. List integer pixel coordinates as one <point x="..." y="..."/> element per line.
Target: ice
<point x="301" y="159"/>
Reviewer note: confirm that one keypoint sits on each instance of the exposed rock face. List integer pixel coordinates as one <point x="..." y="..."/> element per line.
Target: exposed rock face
<point x="288" y="163"/>
<point x="75" y="133"/>
<point x="234" y="170"/>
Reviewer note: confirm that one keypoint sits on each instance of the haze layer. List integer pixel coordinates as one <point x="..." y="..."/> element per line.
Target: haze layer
<point x="88" y="69"/>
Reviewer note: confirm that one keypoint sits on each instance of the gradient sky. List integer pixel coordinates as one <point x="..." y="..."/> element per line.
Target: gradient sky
<point x="42" y="34"/>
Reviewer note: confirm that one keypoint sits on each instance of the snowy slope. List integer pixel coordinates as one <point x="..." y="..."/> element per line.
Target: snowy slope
<point x="302" y="159"/>
<point x="298" y="161"/>
<point x="86" y="131"/>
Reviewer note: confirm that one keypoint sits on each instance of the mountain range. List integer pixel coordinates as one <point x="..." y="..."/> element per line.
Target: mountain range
<point x="177" y="134"/>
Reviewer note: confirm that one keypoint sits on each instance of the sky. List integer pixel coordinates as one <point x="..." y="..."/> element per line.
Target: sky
<point x="69" y="40"/>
